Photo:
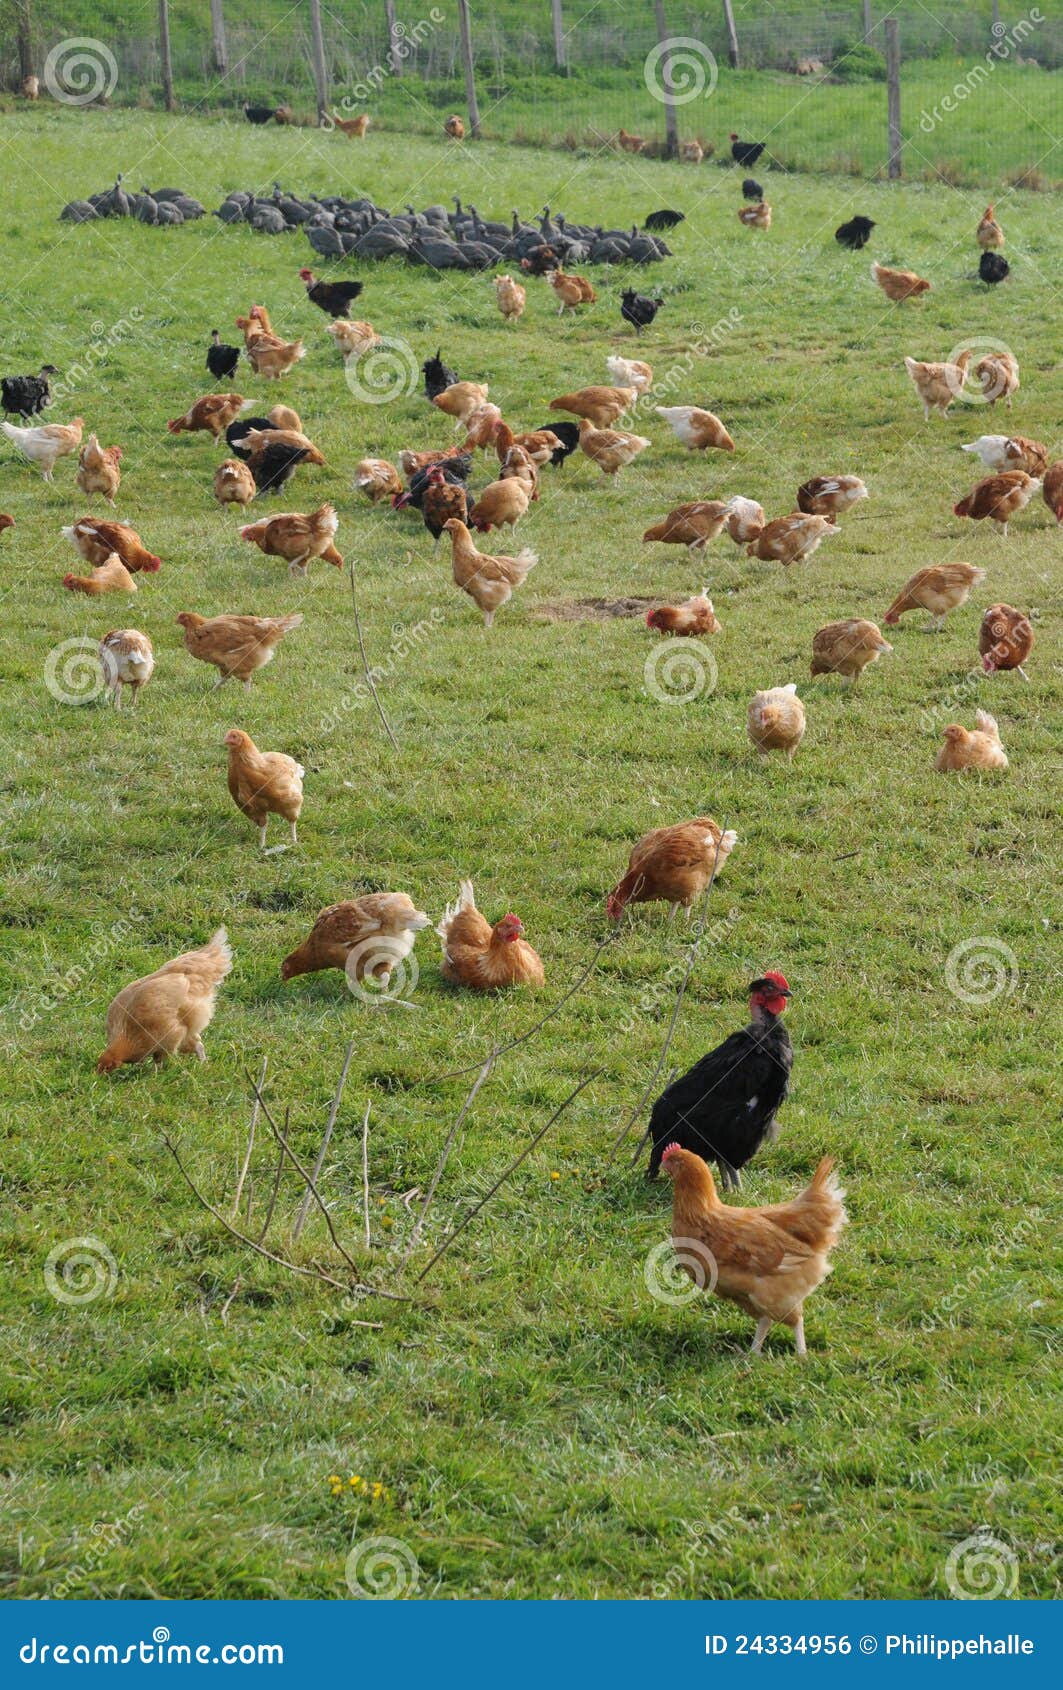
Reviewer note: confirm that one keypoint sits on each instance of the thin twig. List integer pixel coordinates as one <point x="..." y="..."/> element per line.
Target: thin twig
<point x="441" y="1164"/>
<point x="365" y="1173"/>
<point x="273" y="1194"/>
<point x="540" y="1135"/>
<point x="250" y="1140"/>
<point x="282" y="1261"/>
<point x="365" y="662"/>
<point x="501" y="1050"/>
<point x="300" y="1219"/>
<point x="694" y="949"/>
<point x="230" y="1298"/>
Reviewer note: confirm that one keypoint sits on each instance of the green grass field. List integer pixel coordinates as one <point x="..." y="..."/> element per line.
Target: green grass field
<point x="541" y="1424"/>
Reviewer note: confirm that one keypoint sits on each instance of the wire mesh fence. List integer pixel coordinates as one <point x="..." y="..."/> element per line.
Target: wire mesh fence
<point x="982" y="94"/>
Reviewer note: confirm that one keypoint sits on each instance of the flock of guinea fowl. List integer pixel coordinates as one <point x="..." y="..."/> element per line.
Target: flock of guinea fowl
<point x="167" y="1012"/>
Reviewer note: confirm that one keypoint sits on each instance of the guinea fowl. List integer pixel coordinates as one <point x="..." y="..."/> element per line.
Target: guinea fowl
<point x="854" y="234"/>
<point x="637" y="310"/>
<point x="334" y="298"/>
<point x="724" y="1107"/>
<point x="992" y="268"/>
<point x="752" y="190"/>
<point x="745" y="152"/>
<point x="221" y="359"/>
<point x="26" y="396"/>
<point x="437" y="376"/>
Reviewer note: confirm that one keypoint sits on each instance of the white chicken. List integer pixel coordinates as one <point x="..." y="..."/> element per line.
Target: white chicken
<point x="127" y="659"/>
<point x="44" y="446"/>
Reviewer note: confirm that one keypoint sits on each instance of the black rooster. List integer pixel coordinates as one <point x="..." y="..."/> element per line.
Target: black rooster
<point x="745" y="152"/>
<point x="274" y="465"/>
<point x="992" y="268"/>
<point x="26" y="396"/>
<point x="221" y="359"/>
<point x="854" y="234"/>
<point x="437" y="376"/>
<point x="455" y="470"/>
<point x="664" y="219"/>
<point x="752" y="190"/>
<point x="260" y="114"/>
<point x="334" y="298"/>
<point x="568" y="434"/>
<point x="637" y="310"/>
<point x="724" y="1107"/>
<point x="236" y="432"/>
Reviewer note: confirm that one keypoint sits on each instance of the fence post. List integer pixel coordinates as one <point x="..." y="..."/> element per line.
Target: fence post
<point x="317" y="55"/>
<point x="732" y="34"/>
<point x="470" y="77"/>
<point x="560" y="61"/>
<point x="219" y="45"/>
<point x="893" y="79"/>
<point x="164" y="55"/>
<point x="394" y="61"/>
<point x="24" y="31"/>
<point x="869" y="22"/>
<point x="671" y="127"/>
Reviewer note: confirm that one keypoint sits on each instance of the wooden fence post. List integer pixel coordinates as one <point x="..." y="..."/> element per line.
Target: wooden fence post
<point x="732" y="34"/>
<point x="395" y="63"/>
<point x="24" y="34"/>
<point x="219" y="45"/>
<point x="470" y="76"/>
<point x="164" y="55"/>
<point x="869" y="22"/>
<point x="893" y="79"/>
<point x="560" y="61"/>
<point x="671" y="127"/>
<point x="317" y="56"/>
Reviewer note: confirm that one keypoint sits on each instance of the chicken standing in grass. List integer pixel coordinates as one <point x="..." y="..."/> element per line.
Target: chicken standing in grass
<point x="44" y="446"/>
<point x="998" y="373"/>
<point x="745" y="520"/>
<point x="378" y="479"/>
<point x="510" y="298"/>
<point x="939" y="385"/>
<point x="1010" y="451"/>
<point x="846" y="648"/>
<point x="768" y="1260"/>
<point x="791" y="539"/>
<point x="212" y="415"/>
<point x="166" y="1013"/>
<point x="97" y="539"/>
<point x="366" y="937"/>
<point x="899" y="285"/>
<point x="489" y="581"/>
<point x="939" y="588"/>
<point x="611" y="450"/>
<point x="234" y="483"/>
<point x="830" y="495"/>
<point x="998" y="498"/>
<point x="698" y="430"/>
<point x="98" y="470"/>
<point x="672" y="865"/>
<point x="1005" y="639"/>
<point x="235" y="645"/>
<point x="776" y="720"/>
<point x="264" y="783"/>
<point x="692" y="525"/>
<point x="689" y="620"/>
<point x="483" y="957"/>
<point x="127" y="659"/>
<point x="297" y="537"/>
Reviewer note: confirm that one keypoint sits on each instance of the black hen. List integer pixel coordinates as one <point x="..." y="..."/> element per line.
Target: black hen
<point x="274" y="466"/>
<point x="260" y="114"/>
<point x="854" y="234"/>
<point x="568" y="434"/>
<point x="664" y="219"/>
<point x="752" y="190"/>
<point x="637" y="310"/>
<point x="992" y="268"/>
<point x="26" y="396"/>
<point x="236" y="432"/>
<point x="745" y="152"/>
<point x="437" y="375"/>
<point x="724" y="1107"/>
<point x="334" y="298"/>
<point x="456" y="471"/>
<point x="221" y="359"/>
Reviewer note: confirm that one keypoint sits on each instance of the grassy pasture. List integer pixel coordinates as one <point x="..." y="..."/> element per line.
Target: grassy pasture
<point x="542" y="1425"/>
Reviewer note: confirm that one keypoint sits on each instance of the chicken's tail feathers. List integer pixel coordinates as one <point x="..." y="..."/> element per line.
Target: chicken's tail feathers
<point x="987" y="724"/>
<point x="527" y="557"/>
<point x="218" y="943"/>
<point x="10" y="430"/>
<point x="287" y="623"/>
<point x="465" y="901"/>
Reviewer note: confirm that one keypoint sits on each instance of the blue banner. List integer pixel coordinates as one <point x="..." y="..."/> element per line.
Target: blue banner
<point x="494" y="1644"/>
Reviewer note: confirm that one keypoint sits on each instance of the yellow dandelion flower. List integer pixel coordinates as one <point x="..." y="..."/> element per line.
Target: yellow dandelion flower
<point x="386" y="1220"/>
<point x="554" y="1174"/>
<point x="355" y="1481"/>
